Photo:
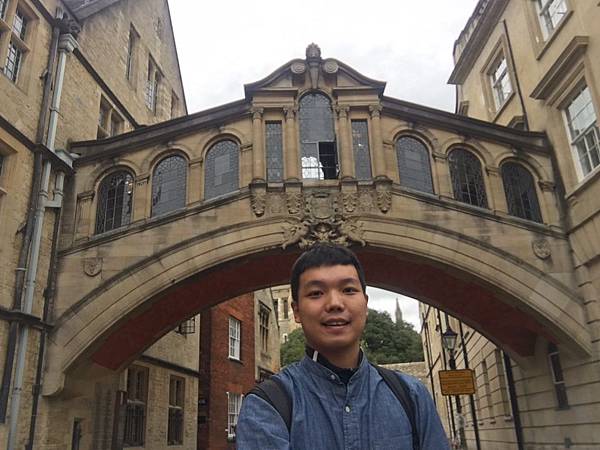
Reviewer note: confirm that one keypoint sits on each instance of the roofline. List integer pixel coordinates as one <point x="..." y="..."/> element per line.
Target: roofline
<point x="467" y="126"/>
<point x="160" y="132"/>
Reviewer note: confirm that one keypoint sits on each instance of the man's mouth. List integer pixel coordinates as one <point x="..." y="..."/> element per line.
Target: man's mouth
<point x="336" y="323"/>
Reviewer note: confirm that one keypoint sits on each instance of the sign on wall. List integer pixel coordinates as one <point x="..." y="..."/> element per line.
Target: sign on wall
<point x="457" y="382"/>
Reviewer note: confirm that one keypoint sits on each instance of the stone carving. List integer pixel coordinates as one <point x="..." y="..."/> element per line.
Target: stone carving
<point x="384" y="198"/>
<point x="350" y="202"/>
<point x="298" y="68"/>
<point x="275" y="203"/>
<point x="92" y="266"/>
<point x="330" y="66"/>
<point x="323" y="222"/>
<point x="365" y="201"/>
<point x="294" y="202"/>
<point x="541" y="248"/>
<point x="258" y="202"/>
<point x="313" y="51"/>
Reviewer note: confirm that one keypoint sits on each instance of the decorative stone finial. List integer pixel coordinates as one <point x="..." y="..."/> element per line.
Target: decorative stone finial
<point x="313" y="52"/>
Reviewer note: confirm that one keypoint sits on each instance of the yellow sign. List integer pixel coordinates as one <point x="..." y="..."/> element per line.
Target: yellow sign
<point x="457" y="382"/>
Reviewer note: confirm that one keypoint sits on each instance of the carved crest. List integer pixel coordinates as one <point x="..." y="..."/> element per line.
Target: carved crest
<point x="258" y="202"/>
<point x="310" y="231"/>
<point x="321" y="205"/>
<point x="541" y="248"/>
<point x="350" y="202"/>
<point x="294" y="202"/>
<point x="92" y="266"/>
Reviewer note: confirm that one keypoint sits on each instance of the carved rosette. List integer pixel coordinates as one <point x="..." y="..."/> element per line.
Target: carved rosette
<point x="541" y="248"/>
<point x="92" y="266"/>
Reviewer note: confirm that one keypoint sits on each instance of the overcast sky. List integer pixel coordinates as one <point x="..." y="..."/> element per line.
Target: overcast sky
<point x="223" y="45"/>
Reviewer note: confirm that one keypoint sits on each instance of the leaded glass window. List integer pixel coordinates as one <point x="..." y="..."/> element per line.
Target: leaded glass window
<point x="169" y="183"/>
<point x="520" y="192"/>
<point x="317" y="138"/>
<point x="3" y="6"/>
<point x="360" y="147"/>
<point x="114" y="202"/>
<point x="413" y="164"/>
<point x="467" y="178"/>
<point x="221" y="174"/>
<point x="274" y="148"/>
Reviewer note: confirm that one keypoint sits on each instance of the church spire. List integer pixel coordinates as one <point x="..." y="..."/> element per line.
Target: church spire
<point x="398" y="313"/>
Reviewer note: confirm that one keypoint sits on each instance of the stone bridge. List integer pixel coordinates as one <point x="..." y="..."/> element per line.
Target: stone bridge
<point x="455" y="212"/>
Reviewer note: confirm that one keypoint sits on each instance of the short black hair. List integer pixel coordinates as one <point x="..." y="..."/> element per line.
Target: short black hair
<point x="325" y="255"/>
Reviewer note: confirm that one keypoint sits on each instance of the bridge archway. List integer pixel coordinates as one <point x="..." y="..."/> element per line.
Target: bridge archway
<point x="508" y="300"/>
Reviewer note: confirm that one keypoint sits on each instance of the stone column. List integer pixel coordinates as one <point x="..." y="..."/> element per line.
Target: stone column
<point x="83" y="226"/>
<point x="346" y="156"/>
<point x="141" y="200"/>
<point x="549" y="205"/>
<point x="378" y="156"/>
<point x="496" y="197"/>
<point x="292" y="158"/>
<point x="195" y="183"/>
<point x="442" y="182"/>
<point x="258" y="148"/>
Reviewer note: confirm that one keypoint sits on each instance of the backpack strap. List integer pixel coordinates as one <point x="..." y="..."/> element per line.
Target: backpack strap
<point x="401" y="391"/>
<point x="274" y="393"/>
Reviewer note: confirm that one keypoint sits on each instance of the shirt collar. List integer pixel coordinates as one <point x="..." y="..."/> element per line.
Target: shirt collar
<point x="343" y="374"/>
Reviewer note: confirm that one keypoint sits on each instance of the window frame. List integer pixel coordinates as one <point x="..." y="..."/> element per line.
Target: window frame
<point x="426" y="151"/>
<point x="235" y="339"/>
<point x="545" y="22"/>
<point x="263" y="326"/>
<point x="357" y="134"/>
<point x="533" y="197"/>
<point x="212" y="191"/>
<point x="127" y="173"/>
<point x="134" y="405"/>
<point x="275" y="173"/>
<point x="181" y="188"/>
<point x="497" y="81"/>
<point x="14" y="41"/>
<point x="234" y="405"/>
<point x="456" y="195"/>
<point x="556" y="372"/>
<point x="591" y="130"/>
<point x="176" y="411"/>
<point x="153" y="79"/>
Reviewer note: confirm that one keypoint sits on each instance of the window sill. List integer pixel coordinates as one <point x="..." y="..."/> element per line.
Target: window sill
<point x="546" y="44"/>
<point x="236" y="360"/>
<point x="502" y="107"/>
<point x="584" y="183"/>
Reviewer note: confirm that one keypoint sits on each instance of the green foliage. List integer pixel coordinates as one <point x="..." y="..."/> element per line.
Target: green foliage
<point x="387" y="342"/>
<point x="383" y="341"/>
<point x="293" y="349"/>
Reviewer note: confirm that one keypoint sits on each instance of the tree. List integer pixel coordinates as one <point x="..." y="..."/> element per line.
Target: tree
<point x="383" y="341"/>
<point x="387" y="342"/>
<point x="293" y="349"/>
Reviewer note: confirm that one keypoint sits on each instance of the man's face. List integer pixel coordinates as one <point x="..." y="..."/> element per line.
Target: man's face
<point x="332" y="308"/>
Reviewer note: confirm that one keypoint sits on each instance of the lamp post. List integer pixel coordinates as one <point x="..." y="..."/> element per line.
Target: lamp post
<point x="449" y="343"/>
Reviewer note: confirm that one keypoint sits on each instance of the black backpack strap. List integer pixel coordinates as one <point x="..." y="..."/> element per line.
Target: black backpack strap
<point x="274" y="393"/>
<point x="401" y="391"/>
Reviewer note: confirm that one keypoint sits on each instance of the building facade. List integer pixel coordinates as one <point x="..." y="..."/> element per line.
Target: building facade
<point x="532" y="65"/>
<point x="65" y="78"/>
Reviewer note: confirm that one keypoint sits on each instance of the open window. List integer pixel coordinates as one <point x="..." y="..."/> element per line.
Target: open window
<point x="317" y="138"/>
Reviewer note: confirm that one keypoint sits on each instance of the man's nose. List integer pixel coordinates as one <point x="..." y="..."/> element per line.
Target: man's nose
<point x="335" y="301"/>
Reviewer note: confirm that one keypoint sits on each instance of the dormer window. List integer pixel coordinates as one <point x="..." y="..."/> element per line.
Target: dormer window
<point x="317" y="138"/>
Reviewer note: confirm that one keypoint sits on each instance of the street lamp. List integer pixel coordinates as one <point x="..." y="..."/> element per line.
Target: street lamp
<point x="449" y="343"/>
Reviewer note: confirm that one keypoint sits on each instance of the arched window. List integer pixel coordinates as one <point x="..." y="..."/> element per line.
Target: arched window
<point x="317" y="138"/>
<point x="519" y="188"/>
<point x="467" y="179"/>
<point x="221" y="173"/>
<point x="169" y="185"/>
<point x="114" y="201"/>
<point x="413" y="164"/>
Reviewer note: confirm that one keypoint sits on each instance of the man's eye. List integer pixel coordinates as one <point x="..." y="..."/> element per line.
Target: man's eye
<point x="350" y="290"/>
<point x="313" y="294"/>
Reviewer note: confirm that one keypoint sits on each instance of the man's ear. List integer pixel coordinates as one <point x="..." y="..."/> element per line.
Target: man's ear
<point x="296" y="312"/>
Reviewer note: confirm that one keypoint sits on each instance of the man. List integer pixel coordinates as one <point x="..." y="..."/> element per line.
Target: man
<point x="339" y="399"/>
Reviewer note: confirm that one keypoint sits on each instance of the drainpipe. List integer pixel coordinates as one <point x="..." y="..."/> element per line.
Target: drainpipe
<point x="471" y="398"/>
<point x="24" y="252"/>
<point x="514" y="402"/>
<point x="66" y="45"/>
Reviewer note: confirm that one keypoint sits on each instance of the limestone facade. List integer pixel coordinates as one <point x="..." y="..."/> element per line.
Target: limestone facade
<point x="534" y="65"/>
<point x="99" y="96"/>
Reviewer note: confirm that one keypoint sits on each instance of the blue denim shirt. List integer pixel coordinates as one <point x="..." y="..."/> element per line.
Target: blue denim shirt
<point x="327" y="414"/>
